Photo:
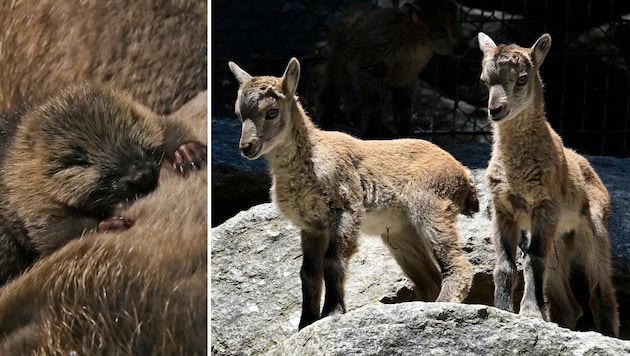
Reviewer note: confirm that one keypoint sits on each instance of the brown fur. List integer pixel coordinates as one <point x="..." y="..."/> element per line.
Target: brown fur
<point x="332" y="185"/>
<point x="542" y="187"/>
<point x="71" y="162"/>
<point x="156" y="49"/>
<point x="382" y="50"/>
<point x="142" y="291"/>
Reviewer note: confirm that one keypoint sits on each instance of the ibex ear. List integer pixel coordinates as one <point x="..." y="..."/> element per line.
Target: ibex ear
<point x="412" y="10"/>
<point x="291" y="78"/>
<point x="486" y="44"/>
<point x="540" y="48"/>
<point x="239" y="74"/>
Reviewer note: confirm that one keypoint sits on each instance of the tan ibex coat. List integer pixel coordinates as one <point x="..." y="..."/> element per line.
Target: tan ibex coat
<point x="550" y="191"/>
<point x="332" y="185"/>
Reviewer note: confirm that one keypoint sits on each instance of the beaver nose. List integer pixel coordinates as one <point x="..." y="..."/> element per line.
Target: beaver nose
<point x="141" y="178"/>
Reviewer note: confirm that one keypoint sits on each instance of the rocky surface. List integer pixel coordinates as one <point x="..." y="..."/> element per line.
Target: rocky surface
<point x="443" y="329"/>
<point x="256" y="257"/>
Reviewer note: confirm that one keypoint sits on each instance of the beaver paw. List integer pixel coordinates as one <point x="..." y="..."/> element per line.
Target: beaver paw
<point x="115" y="223"/>
<point x="189" y="156"/>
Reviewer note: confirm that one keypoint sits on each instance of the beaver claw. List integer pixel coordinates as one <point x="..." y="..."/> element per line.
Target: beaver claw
<point x="189" y="156"/>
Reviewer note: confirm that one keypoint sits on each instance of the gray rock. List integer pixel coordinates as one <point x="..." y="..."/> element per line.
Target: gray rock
<point x="256" y="258"/>
<point x="255" y="285"/>
<point x="420" y="328"/>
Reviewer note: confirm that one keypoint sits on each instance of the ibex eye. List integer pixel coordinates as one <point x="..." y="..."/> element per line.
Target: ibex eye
<point x="440" y="31"/>
<point x="522" y="80"/>
<point x="271" y="114"/>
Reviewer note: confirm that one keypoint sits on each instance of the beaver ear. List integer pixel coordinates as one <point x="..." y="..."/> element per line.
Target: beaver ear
<point x="486" y="44"/>
<point x="540" y="49"/>
<point x="291" y="77"/>
<point x="239" y="73"/>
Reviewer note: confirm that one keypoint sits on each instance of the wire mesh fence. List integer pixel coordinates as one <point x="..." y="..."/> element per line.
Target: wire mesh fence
<point x="587" y="84"/>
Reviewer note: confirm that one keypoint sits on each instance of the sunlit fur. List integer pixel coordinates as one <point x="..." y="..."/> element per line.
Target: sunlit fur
<point x="550" y="191"/>
<point x="332" y="185"/>
<point x="141" y="291"/>
<point x="156" y="49"/>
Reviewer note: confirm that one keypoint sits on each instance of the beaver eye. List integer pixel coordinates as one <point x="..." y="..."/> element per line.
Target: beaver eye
<point x="271" y="114"/>
<point x="77" y="157"/>
<point x="522" y="80"/>
<point x="77" y="161"/>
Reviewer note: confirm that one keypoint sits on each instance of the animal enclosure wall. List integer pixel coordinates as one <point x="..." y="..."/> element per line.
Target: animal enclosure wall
<point x="586" y="74"/>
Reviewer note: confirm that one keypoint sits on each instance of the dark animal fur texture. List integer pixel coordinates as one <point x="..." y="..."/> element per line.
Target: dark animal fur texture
<point x="156" y="49"/>
<point x="69" y="163"/>
<point x="381" y="51"/>
<point x="141" y="291"/>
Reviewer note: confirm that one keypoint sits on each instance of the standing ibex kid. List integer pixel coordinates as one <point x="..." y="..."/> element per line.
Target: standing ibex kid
<point x="542" y="187"/>
<point x="332" y="185"/>
<point x="382" y="50"/>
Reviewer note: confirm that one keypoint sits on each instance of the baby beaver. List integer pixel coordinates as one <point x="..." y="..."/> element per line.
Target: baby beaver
<point x="68" y="164"/>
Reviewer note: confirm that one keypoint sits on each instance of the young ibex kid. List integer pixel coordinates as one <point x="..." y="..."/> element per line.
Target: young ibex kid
<point x="332" y="185"/>
<point x="542" y="187"/>
<point x="382" y="50"/>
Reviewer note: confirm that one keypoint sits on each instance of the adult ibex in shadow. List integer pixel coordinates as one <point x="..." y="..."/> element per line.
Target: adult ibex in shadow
<point x="381" y="51"/>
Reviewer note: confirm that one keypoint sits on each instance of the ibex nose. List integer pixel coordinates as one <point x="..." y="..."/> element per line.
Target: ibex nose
<point x="245" y="147"/>
<point x="497" y="102"/>
<point x="250" y="148"/>
<point x="249" y="140"/>
<point x="496" y="111"/>
<point x="460" y="51"/>
<point x="460" y="48"/>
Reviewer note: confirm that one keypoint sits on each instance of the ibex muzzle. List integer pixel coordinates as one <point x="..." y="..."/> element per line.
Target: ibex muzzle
<point x="249" y="140"/>
<point x="445" y="26"/>
<point x="497" y="102"/>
